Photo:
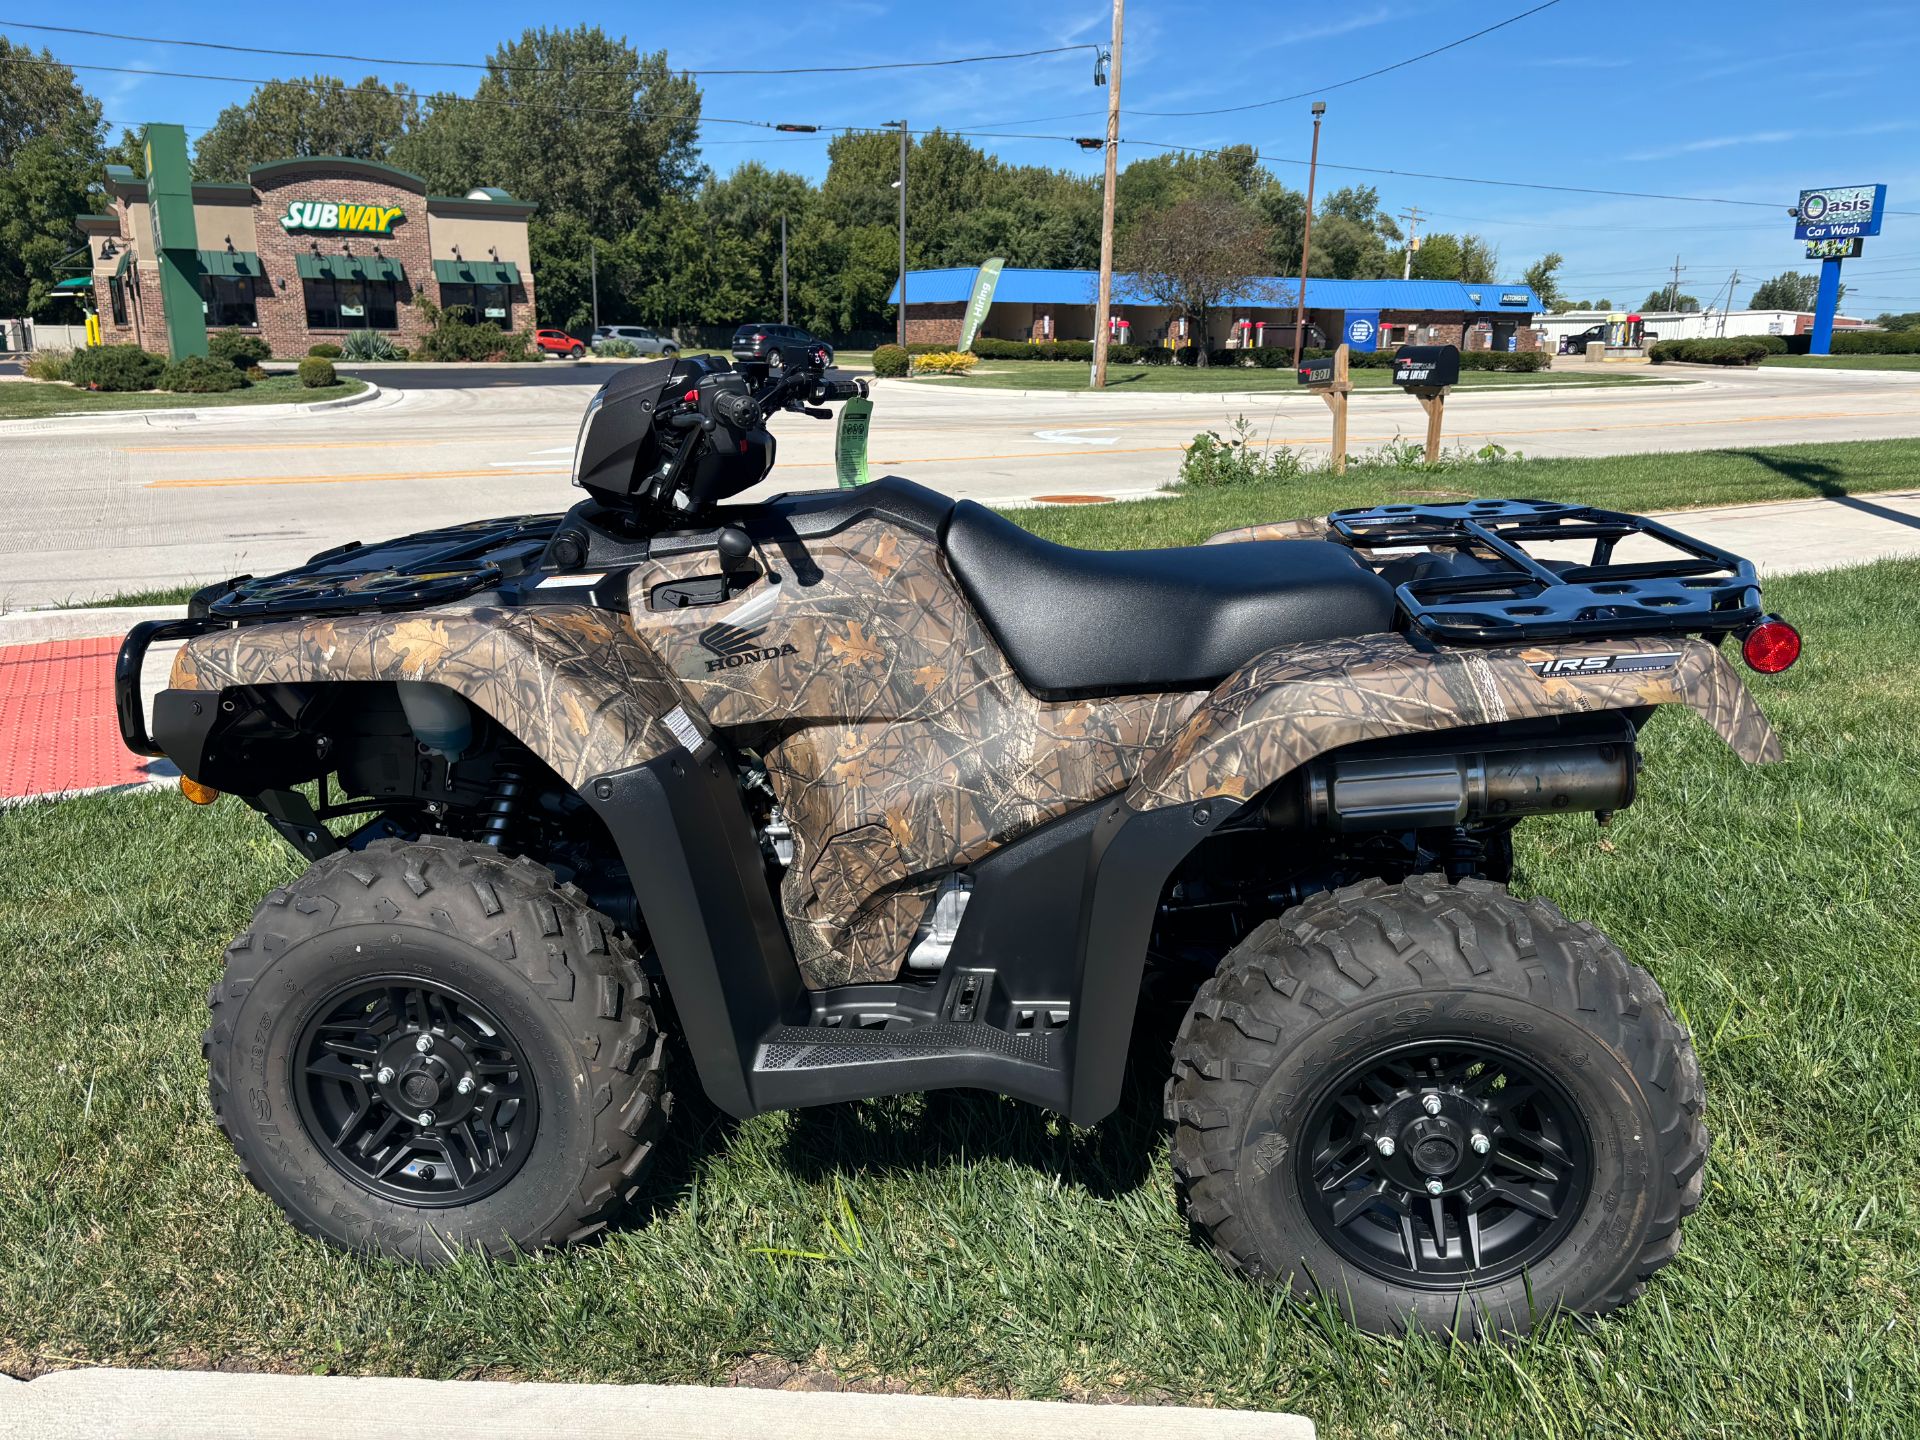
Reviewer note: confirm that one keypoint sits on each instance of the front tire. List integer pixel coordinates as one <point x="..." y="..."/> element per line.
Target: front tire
<point x="425" y="1047"/>
<point x="1439" y="1107"/>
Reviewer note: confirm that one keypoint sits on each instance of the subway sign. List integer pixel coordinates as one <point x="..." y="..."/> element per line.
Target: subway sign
<point x="325" y="215"/>
<point x="1839" y="212"/>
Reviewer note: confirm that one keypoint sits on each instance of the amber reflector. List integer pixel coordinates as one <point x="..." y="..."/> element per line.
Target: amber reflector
<point x="196" y="792"/>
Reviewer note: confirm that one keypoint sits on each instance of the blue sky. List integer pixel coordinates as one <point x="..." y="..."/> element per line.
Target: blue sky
<point x="1750" y="101"/>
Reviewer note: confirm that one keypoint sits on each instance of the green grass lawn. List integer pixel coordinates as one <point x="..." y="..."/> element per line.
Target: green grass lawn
<point x="1138" y="379"/>
<point x="1621" y="482"/>
<point x="36" y="399"/>
<point x="1847" y="362"/>
<point x="975" y="1245"/>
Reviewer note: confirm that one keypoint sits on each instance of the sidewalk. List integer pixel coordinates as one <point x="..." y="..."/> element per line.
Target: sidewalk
<point x="203" y="1405"/>
<point x="59" y="736"/>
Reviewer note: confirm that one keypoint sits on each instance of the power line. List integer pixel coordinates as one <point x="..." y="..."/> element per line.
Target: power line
<point x="570" y="70"/>
<point x="1342" y="84"/>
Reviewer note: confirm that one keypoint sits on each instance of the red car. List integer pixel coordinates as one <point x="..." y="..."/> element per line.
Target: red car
<point x="558" y="342"/>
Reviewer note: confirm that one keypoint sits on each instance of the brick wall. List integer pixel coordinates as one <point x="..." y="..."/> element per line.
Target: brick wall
<point x="933" y="324"/>
<point x="283" y="315"/>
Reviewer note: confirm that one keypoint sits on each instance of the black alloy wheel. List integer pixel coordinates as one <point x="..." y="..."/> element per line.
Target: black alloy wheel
<point x="1442" y="1161"/>
<point x="416" y="1092"/>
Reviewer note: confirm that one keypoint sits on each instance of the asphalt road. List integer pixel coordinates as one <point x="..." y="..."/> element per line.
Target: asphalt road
<point x="411" y="376"/>
<point x="92" y="511"/>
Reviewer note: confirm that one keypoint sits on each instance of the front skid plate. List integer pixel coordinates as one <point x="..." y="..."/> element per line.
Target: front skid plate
<point x="1289" y="705"/>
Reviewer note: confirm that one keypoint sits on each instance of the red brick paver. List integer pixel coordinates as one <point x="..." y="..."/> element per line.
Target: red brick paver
<point x="58" y="733"/>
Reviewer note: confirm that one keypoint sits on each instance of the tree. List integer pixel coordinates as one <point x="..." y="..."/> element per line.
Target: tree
<point x="1789" y="290"/>
<point x="1909" y="320"/>
<point x="320" y="116"/>
<point x="51" y="136"/>
<point x="1671" y="299"/>
<point x="1543" y="277"/>
<point x="1196" y="254"/>
<point x="1353" y="238"/>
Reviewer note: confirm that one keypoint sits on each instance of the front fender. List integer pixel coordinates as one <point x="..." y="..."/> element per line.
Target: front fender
<point x="1289" y="705"/>
<point x="573" y="683"/>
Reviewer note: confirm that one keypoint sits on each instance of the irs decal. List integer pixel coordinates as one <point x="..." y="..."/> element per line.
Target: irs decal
<point x="1634" y="660"/>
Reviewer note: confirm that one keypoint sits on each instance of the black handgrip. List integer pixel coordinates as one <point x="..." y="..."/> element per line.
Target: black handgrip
<point x="740" y="412"/>
<point x="839" y="389"/>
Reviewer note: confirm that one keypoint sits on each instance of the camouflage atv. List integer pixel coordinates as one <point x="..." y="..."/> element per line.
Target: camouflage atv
<point x="873" y="792"/>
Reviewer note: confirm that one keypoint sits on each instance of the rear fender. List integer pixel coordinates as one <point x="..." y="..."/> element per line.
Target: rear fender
<point x="572" y="683"/>
<point x="1289" y="705"/>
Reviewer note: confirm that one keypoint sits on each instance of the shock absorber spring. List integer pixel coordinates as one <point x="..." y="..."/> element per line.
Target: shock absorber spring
<point x="502" y="805"/>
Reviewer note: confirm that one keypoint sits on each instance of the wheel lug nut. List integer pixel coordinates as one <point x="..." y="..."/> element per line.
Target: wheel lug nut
<point x="1434" y="1187"/>
<point x="1430" y="1104"/>
<point x="465" y="1087"/>
<point x="1481" y="1145"/>
<point x="1384" y="1144"/>
<point x="423" y="1044"/>
<point x="385" y="1077"/>
<point x="426" y="1118"/>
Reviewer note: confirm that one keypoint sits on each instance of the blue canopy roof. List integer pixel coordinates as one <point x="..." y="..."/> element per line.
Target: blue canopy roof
<point x="1077" y="287"/>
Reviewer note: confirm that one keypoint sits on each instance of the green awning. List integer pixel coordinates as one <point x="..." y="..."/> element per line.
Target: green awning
<point x="79" y="282"/>
<point x="125" y="257"/>
<point x="476" y="272"/>
<point x="233" y="264"/>
<point x="348" y="267"/>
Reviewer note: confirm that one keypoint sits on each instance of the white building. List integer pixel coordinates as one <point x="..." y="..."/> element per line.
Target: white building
<point x="1692" y="325"/>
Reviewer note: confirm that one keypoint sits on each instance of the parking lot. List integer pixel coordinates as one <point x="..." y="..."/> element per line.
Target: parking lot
<point x="107" y="507"/>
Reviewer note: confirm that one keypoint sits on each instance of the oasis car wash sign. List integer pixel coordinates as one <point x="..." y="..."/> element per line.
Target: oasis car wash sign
<point x="325" y="215"/>
<point x="1839" y="212"/>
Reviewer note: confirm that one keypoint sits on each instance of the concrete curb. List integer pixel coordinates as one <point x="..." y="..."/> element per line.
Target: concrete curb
<point x="1253" y="396"/>
<point x="205" y="1405"/>
<point x="94" y="622"/>
<point x="116" y="419"/>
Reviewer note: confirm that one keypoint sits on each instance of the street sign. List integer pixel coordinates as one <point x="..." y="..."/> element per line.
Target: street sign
<point x="1839" y="212"/>
<point x="1426" y="367"/>
<point x="1316" y="372"/>
<point x="1834" y="249"/>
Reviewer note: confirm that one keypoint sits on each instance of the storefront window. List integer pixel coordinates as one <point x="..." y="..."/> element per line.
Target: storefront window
<point x="229" y="302"/>
<point x="117" y="295"/>
<point x="484" y="304"/>
<point x="352" y="305"/>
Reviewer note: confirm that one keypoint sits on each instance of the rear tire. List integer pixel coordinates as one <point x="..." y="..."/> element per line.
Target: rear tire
<point x="1330" y="1027"/>
<point x="425" y="1047"/>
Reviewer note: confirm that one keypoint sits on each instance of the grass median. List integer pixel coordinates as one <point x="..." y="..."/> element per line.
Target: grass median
<point x="967" y="1244"/>
<point x="1845" y="362"/>
<point x="39" y="399"/>
<point x="1227" y="379"/>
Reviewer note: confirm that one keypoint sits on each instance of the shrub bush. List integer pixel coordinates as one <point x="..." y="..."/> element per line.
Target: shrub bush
<point x="1876" y="342"/>
<point x="116" y="367"/>
<point x="256" y="373"/>
<point x="944" y="362"/>
<point x="324" y="351"/>
<point x="201" y="375"/>
<point x="1081" y="350"/>
<point x="367" y="345"/>
<point x="452" y="336"/>
<point x="316" y="373"/>
<point x="614" y="348"/>
<point x="1733" y="350"/>
<point x="1523" y="361"/>
<point x="1776" y="344"/>
<point x="891" y="362"/>
<point x="49" y="365"/>
<point x="240" y="351"/>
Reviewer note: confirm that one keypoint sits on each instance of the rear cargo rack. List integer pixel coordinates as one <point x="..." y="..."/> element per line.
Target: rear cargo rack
<point x="1512" y="596"/>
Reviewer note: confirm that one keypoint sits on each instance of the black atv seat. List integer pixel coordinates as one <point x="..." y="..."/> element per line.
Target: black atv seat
<point x="1119" y="621"/>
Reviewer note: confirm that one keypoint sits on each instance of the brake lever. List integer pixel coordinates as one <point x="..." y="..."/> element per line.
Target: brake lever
<point x="818" y="412"/>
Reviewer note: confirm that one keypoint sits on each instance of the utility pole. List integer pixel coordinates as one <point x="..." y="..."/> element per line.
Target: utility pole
<point x="1673" y="290"/>
<point x="1412" y="216"/>
<point x="783" y="270"/>
<point x="1103" y="311"/>
<point x="900" y="316"/>
<point x="593" y="272"/>
<point x="1733" y="292"/>
<point x="1306" y="240"/>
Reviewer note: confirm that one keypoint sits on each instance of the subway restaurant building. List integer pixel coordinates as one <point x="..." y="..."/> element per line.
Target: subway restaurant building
<point x="306" y="251"/>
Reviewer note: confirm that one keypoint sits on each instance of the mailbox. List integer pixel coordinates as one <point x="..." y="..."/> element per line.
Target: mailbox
<point x="1320" y="372"/>
<point x="1426" y="367"/>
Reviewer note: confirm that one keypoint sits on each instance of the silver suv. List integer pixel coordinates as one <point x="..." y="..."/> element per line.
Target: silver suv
<point x="647" y="342"/>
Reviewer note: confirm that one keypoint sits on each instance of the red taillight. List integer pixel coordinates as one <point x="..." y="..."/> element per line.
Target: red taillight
<point x="1770" y="646"/>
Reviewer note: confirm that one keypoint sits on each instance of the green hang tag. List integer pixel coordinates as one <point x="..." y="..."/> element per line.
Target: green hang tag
<point x="850" y="442"/>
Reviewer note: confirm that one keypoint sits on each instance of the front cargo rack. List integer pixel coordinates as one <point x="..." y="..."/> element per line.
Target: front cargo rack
<point x="1496" y="592"/>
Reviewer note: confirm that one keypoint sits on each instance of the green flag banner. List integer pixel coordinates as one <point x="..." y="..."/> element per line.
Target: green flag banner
<point x="980" y="302"/>
<point x="850" y="442"/>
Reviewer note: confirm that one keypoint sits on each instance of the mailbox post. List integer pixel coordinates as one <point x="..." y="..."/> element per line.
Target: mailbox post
<point x="1428" y="372"/>
<point x="1328" y="379"/>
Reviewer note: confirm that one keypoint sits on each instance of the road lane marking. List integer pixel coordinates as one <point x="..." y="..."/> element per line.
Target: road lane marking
<point x="229" y="480"/>
<point x="1074" y="437"/>
<point x="273" y="445"/>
